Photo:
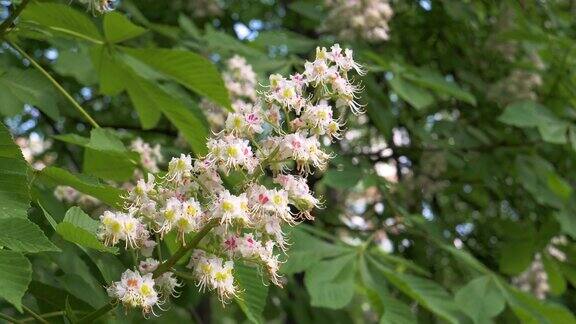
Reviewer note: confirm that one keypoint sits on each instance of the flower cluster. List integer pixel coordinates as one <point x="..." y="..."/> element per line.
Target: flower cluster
<point x="241" y="82"/>
<point x="149" y="156"/>
<point x="138" y="288"/>
<point x="236" y="199"/>
<point x="535" y="278"/>
<point x="367" y="19"/>
<point x="519" y="85"/>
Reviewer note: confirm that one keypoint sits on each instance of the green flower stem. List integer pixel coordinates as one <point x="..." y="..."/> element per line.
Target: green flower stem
<point x="56" y="84"/>
<point x="166" y="266"/>
<point x="90" y="318"/>
<point x="9" y="318"/>
<point x="8" y="22"/>
<point x="49" y="315"/>
<point x="36" y="316"/>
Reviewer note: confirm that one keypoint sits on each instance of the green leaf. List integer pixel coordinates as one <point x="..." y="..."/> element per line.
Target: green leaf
<point x="330" y="283"/>
<point x="70" y="315"/>
<point x="73" y="139"/>
<point x="15" y="275"/>
<point x="396" y="312"/>
<point x="14" y="195"/>
<point x="295" y="43"/>
<point x="190" y="69"/>
<point x="55" y="297"/>
<point x="526" y="114"/>
<point x="254" y="293"/>
<point x="533" y="114"/>
<point x="307" y="9"/>
<point x="194" y="131"/>
<point x="428" y="293"/>
<point x="146" y="105"/>
<point x="62" y="18"/>
<point x="118" y="28"/>
<point x="436" y="82"/>
<point x="21" y="235"/>
<point x="79" y="228"/>
<point x="516" y="255"/>
<point x="106" y="157"/>
<point x="343" y="179"/>
<point x="531" y="310"/>
<point x="109" y="265"/>
<point x="417" y="97"/>
<point x="306" y="250"/>
<point x="391" y="310"/>
<point x="19" y="87"/>
<point x="537" y="175"/>
<point x="377" y="108"/>
<point x="75" y="61"/>
<point x="567" y="221"/>
<point x="90" y="186"/>
<point x="109" y="68"/>
<point x="556" y="279"/>
<point x="481" y="299"/>
<point x="225" y="44"/>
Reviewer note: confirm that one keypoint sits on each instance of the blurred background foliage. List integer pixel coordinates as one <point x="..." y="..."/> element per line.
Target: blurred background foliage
<point x="451" y="200"/>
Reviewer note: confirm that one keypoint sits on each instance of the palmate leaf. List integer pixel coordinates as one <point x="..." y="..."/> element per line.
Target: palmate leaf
<point x="15" y="275"/>
<point x="254" y="293"/>
<point x="189" y="69"/>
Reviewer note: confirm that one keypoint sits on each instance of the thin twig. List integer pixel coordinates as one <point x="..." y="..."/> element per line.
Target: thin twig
<point x="36" y="316"/>
<point x="8" y="22"/>
<point x="166" y="266"/>
<point x="9" y="318"/>
<point x="56" y="84"/>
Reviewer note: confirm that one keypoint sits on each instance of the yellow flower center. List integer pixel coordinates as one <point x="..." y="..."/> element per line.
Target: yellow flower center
<point x="169" y="214"/>
<point x="145" y="290"/>
<point x="116" y="227"/>
<point x="227" y="206"/>
<point x="278" y="200"/>
<point x="232" y="151"/>
<point x="288" y="92"/>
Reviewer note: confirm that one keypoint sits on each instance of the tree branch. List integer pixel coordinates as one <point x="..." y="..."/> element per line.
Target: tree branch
<point x="8" y="22"/>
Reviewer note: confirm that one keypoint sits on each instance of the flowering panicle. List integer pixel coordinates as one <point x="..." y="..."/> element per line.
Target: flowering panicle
<point x="241" y="82"/>
<point x="366" y="19"/>
<point x="277" y="135"/>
